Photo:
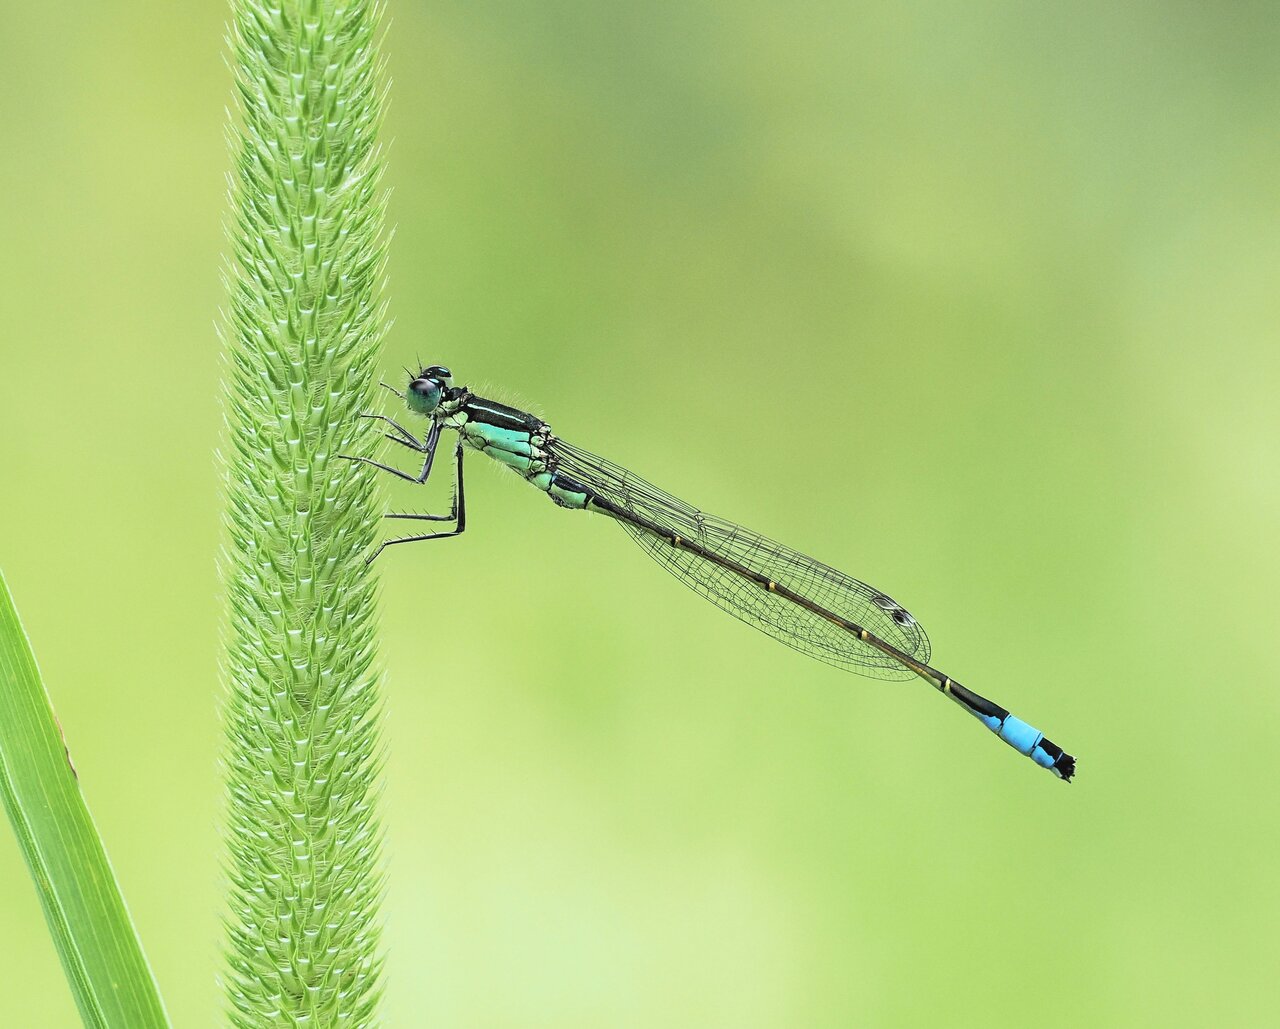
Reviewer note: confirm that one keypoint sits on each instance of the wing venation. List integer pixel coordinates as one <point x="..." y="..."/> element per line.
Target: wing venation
<point x="790" y="623"/>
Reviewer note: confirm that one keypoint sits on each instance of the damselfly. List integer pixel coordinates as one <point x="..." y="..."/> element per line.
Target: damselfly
<point x="807" y="605"/>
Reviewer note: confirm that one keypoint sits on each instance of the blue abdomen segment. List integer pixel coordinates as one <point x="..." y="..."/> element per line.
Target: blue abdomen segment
<point x="1021" y="736"/>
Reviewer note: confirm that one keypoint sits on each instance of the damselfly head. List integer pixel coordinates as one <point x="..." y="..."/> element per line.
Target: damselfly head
<point x="427" y="388"/>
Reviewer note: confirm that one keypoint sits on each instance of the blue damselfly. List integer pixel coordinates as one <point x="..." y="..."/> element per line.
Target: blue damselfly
<point x="807" y="605"/>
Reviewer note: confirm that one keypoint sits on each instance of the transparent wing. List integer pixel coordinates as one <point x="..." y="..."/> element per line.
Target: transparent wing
<point x="782" y="619"/>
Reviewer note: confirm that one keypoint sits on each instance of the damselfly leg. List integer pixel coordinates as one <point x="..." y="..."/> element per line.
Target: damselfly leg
<point x="402" y="435"/>
<point x="458" y="515"/>
<point x="427" y="447"/>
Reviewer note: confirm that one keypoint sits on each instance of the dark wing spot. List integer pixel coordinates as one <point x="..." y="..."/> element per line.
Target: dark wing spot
<point x="891" y="606"/>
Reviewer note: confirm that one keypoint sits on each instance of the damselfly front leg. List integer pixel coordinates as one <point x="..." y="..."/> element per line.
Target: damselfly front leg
<point x="402" y="435"/>
<point x="427" y="447"/>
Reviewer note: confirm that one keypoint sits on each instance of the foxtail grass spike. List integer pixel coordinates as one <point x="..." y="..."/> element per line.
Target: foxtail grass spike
<point x="300" y="336"/>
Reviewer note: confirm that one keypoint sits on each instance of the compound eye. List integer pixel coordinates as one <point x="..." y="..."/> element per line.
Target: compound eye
<point x="424" y="395"/>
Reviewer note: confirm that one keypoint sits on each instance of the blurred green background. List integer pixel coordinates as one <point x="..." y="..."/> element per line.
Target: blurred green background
<point x="976" y="301"/>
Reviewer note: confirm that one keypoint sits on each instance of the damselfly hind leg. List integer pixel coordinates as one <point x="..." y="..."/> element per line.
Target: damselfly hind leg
<point x="458" y="515"/>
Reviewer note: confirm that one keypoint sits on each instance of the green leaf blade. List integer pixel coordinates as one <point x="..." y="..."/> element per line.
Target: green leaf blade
<point x="112" y="983"/>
